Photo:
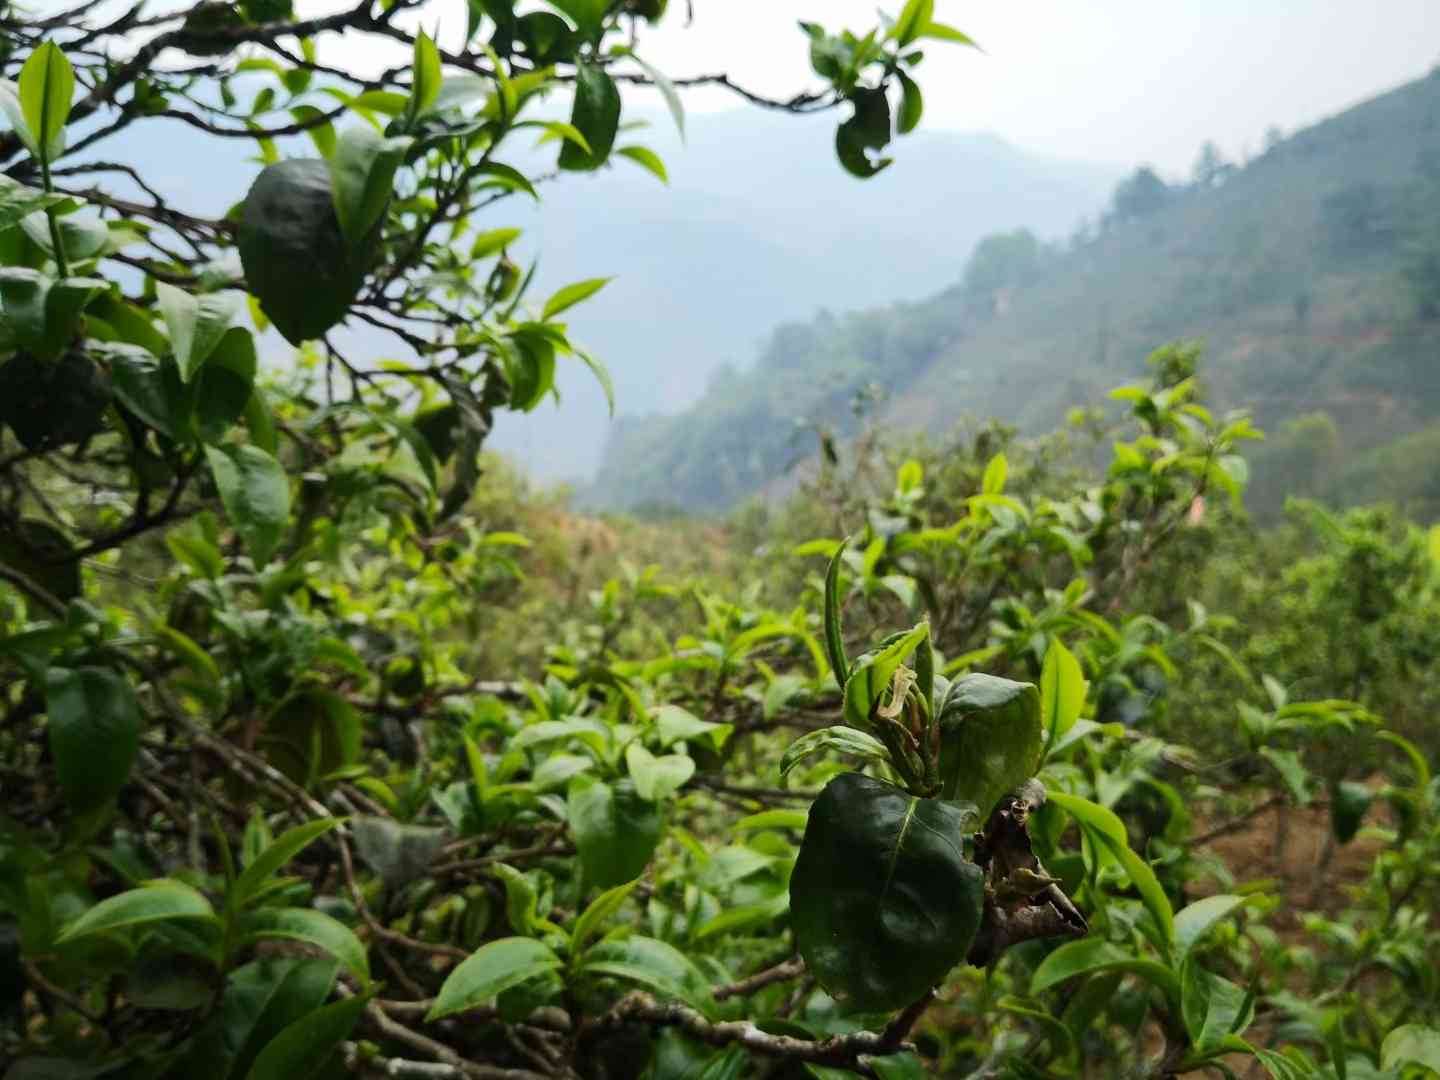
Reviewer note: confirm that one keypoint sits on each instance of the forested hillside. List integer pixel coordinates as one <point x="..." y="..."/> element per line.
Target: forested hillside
<point x="1311" y="275"/>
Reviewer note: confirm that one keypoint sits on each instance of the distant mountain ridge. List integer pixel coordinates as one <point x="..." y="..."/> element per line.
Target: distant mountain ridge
<point x="1313" y="275"/>
<point x="758" y="222"/>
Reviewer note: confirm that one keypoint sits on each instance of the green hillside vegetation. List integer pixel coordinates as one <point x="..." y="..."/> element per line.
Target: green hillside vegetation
<point x="1312" y="275"/>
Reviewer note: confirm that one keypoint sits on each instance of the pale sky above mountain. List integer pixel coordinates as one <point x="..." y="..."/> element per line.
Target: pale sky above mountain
<point x="1116" y="81"/>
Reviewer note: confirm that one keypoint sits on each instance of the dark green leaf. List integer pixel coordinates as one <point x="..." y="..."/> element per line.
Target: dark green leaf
<point x="225" y="385"/>
<point x="43" y="554"/>
<point x="912" y="104"/>
<point x="615" y="830"/>
<point x="883" y="901"/>
<point x="305" y="1048"/>
<point x="990" y="738"/>
<point x="296" y="259"/>
<point x="867" y="130"/>
<point x="94" y="733"/>
<point x="1349" y="802"/>
<point x="834" y="637"/>
<point x="596" y="114"/>
<point x="256" y="495"/>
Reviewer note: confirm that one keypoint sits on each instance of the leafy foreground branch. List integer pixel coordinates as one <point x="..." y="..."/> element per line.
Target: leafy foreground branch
<point x="305" y="701"/>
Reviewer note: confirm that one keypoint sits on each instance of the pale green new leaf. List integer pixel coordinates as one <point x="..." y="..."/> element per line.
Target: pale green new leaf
<point x="495" y="967"/>
<point x="151" y="903"/>
<point x="46" y="85"/>
<point x="571" y="295"/>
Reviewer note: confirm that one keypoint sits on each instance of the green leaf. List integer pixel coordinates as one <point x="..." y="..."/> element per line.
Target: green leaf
<point x="1292" y="771"/>
<point x="616" y="831"/>
<point x="1196" y="920"/>
<point x="260" y="422"/>
<point x="496" y="966"/>
<point x="1094" y="954"/>
<point x="94" y="727"/>
<point x="667" y="92"/>
<point x="426" y="75"/>
<point x="589" y="15"/>
<point x="912" y="104"/>
<point x="993" y="482"/>
<point x="647" y="159"/>
<point x="18" y="201"/>
<point x="275" y="856"/>
<point x="837" y="739"/>
<point x="868" y="129"/>
<point x="1411" y="1044"/>
<point x="152" y="903"/>
<point x="674" y="724"/>
<point x="310" y="926"/>
<point x="990" y="739"/>
<point x="1349" y="802"/>
<point x="305" y="1049"/>
<point x="362" y="174"/>
<point x="870" y="682"/>
<point x="657" y="778"/>
<point x="47" y="83"/>
<point x="602" y="376"/>
<point x="942" y="32"/>
<point x="571" y="295"/>
<point x="520" y="898"/>
<point x="834" y="637"/>
<point x="596" y="114"/>
<point x="256" y="495"/>
<point x="492" y="242"/>
<point x="914" y="17"/>
<point x="297" y="261"/>
<point x="600" y="909"/>
<point x="883" y="901"/>
<point x="226" y="385"/>
<point x="1062" y="692"/>
<point x="321" y="132"/>
<point x="45" y="314"/>
<point x="196" y="324"/>
<point x="1212" y="1007"/>
<point x="1109" y="832"/>
<point x="651" y="963"/>
<point x="1284" y="1066"/>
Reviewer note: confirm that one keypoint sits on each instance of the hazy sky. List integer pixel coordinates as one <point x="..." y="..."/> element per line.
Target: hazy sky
<point x="1115" y="81"/>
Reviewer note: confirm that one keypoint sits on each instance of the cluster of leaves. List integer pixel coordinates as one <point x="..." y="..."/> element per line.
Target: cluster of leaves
<point x="265" y="815"/>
